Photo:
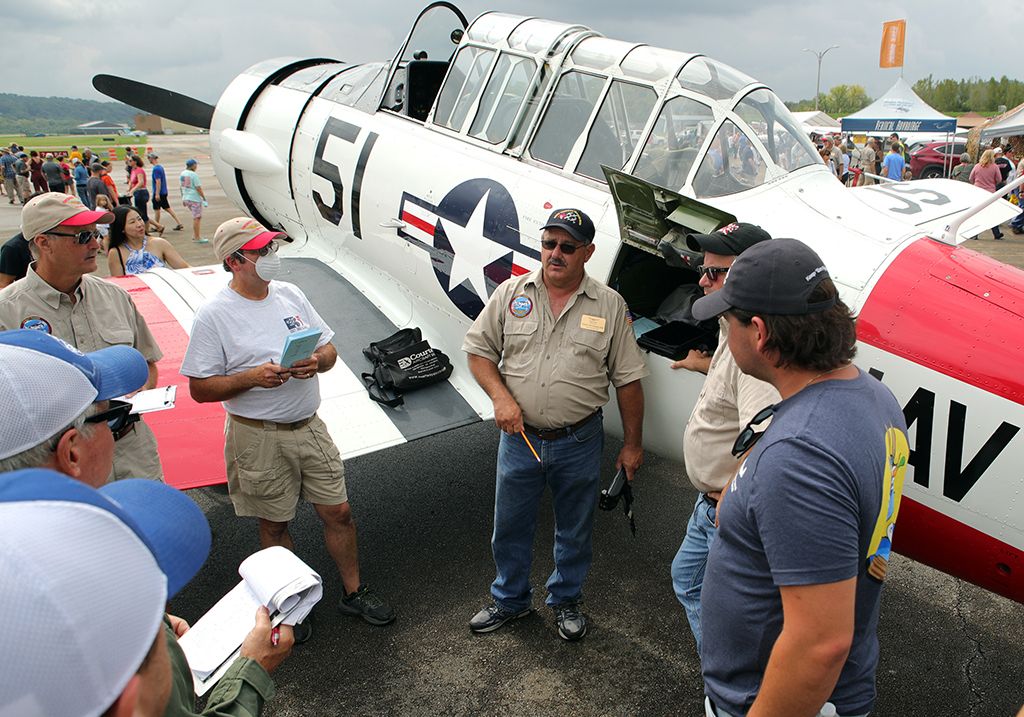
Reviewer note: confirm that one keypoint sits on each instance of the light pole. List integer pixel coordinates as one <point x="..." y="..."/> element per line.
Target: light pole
<point x="817" y="87"/>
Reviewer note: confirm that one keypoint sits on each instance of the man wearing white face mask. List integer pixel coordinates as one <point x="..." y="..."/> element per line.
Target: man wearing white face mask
<point x="276" y="447"/>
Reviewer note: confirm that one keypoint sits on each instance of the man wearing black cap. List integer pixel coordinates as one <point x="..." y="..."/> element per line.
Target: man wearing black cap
<point x="729" y="399"/>
<point x="793" y="584"/>
<point x="561" y="337"/>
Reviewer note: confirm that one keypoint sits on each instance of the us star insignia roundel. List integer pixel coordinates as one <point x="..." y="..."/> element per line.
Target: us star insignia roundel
<point x="520" y="306"/>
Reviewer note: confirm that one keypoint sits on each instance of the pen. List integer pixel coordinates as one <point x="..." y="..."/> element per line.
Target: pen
<point x="275" y="636"/>
<point x="532" y="450"/>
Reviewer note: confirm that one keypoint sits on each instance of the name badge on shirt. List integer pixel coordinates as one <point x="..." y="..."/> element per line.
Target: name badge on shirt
<point x="592" y="323"/>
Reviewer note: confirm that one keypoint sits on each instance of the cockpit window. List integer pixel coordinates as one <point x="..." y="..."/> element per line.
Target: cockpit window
<point x="619" y="126"/>
<point x="566" y="117"/>
<point x="674" y="143"/>
<point x="717" y="81"/>
<point x="504" y="95"/>
<point x="787" y="145"/>
<point x="731" y="165"/>
<point x="462" y="86"/>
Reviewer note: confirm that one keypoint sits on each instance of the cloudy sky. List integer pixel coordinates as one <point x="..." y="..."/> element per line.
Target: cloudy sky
<point x="197" y="46"/>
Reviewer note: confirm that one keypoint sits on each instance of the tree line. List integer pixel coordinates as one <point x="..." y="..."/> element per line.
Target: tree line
<point x="975" y="95"/>
<point x="949" y="96"/>
<point x="22" y="114"/>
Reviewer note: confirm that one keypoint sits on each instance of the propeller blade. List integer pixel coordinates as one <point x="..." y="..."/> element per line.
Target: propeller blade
<point x="156" y="100"/>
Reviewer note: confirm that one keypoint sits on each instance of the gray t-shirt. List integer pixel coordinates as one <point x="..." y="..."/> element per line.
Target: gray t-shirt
<point x="95" y="187"/>
<point x="51" y="170"/>
<point x="813" y="503"/>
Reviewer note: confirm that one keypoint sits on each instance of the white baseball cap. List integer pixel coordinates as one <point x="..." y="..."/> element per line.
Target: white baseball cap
<point x="84" y="579"/>
<point x="45" y="384"/>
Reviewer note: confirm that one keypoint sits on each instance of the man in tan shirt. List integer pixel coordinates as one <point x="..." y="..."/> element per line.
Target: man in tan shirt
<point x="726" y="404"/>
<point x="560" y="338"/>
<point x="60" y="297"/>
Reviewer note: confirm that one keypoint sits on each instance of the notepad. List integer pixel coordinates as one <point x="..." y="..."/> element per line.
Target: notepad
<point x="155" y="399"/>
<point x="299" y="346"/>
<point x="274" y="578"/>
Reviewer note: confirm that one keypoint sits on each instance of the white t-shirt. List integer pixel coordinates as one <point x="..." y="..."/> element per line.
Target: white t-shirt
<point x="231" y="334"/>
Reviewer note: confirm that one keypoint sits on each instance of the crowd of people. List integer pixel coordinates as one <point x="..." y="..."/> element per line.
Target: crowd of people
<point x="84" y="174"/>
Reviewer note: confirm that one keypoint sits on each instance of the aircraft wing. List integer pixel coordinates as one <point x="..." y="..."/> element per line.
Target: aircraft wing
<point x="930" y="204"/>
<point x="191" y="435"/>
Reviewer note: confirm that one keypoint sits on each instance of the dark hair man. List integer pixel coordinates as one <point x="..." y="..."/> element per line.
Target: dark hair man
<point x="792" y="590"/>
<point x="729" y="400"/>
<point x="561" y="338"/>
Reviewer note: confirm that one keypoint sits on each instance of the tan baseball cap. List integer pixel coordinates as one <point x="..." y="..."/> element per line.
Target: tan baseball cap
<point x="53" y="209"/>
<point x="243" y="233"/>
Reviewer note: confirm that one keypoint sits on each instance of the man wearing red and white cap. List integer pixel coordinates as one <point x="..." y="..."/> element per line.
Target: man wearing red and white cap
<point x="59" y="296"/>
<point x="276" y="448"/>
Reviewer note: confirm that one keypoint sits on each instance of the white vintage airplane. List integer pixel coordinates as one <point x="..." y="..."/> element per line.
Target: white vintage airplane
<point x="414" y="187"/>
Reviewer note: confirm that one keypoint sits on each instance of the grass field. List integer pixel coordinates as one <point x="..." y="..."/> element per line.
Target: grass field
<point x="98" y="143"/>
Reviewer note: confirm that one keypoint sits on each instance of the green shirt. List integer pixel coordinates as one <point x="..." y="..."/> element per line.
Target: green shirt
<point x="242" y="691"/>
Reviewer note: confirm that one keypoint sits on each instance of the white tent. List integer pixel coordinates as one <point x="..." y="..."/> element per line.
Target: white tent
<point x="1010" y="124"/>
<point x="817" y="122"/>
<point x="899" y="110"/>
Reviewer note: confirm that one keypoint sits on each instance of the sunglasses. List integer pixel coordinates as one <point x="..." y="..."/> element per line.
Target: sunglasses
<point x="119" y="418"/>
<point x="711" y="273"/>
<point x="748" y="436"/>
<point x="80" y="237"/>
<point x="566" y="248"/>
<point x="264" y="250"/>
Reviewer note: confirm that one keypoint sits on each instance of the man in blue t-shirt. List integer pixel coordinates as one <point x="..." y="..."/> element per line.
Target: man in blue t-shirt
<point x="894" y="163"/>
<point x="793" y="583"/>
<point x="160" y="191"/>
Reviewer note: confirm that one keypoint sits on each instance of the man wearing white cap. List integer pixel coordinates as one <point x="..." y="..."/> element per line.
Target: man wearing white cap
<point x="276" y="447"/>
<point x="72" y="430"/>
<point x="84" y="578"/>
<point x="59" y="296"/>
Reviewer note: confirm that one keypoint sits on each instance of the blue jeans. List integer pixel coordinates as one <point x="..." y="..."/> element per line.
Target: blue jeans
<point x="82" y="194"/>
<point x="571" y="466"/>
<point x="691" y="560"/>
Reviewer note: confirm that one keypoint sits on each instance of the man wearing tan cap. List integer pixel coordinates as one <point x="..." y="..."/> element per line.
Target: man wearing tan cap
<point x="59" y="296"/>
<point x="276" y="447"/>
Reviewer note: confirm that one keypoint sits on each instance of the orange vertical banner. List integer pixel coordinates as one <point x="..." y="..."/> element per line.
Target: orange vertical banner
<point x="894" y="33"/>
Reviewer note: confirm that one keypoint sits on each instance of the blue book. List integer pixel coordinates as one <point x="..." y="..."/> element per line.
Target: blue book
<point x="299" y="346"/>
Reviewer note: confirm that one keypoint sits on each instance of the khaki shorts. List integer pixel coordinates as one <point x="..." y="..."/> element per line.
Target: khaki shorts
<point x="270" y="467"/>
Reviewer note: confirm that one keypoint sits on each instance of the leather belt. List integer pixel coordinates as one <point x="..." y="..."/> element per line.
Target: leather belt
<point x="553" y="434"/>
<point x="709" y="499"/>
<point x="279" y="426"/>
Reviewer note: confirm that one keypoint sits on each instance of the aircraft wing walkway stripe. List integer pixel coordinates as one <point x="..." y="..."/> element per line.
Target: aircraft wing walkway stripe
<point x="191" y="435"/>
<point x="357" y="323"/>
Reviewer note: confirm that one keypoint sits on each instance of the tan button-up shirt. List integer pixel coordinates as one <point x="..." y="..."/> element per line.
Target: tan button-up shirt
<point x="102" y="315"/>
<point x="728" y="401"/>
<point x="557" y="368"/>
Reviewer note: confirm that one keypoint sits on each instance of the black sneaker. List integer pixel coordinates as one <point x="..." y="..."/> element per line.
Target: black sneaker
<point x="494" y="616"/>
<point x="572" y="623"/>
<point x="366" y="604"/>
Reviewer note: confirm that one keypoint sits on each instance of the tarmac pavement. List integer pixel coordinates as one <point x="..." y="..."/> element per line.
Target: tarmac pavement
<point x="424" y="512"/>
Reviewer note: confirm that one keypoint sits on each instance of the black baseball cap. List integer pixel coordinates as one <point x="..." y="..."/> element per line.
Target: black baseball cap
<point x="773" y="278"/>
<point x="574" y="221"/>
<point x="731" y="240"/>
